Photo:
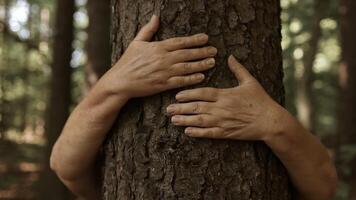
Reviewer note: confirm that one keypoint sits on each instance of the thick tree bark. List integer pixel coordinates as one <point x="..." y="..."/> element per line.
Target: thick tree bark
<point x="60" y="95"/>
<point x="148" y="158"/>
<point x="347" y="117"/>
<point x="98" y="44"/>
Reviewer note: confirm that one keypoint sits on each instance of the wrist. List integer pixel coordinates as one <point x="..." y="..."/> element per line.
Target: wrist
<point x="280" y="138"/>
<point x="104" y="94"/>
<point x="278" y="123"/>
<point x="115" y="87"/>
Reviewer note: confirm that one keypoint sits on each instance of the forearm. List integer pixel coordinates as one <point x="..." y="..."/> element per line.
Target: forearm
<point x="306" y="159"/>
<point x="75" y="152"/>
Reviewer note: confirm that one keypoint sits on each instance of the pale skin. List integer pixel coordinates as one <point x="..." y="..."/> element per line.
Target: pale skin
<point x="245" y="112"/>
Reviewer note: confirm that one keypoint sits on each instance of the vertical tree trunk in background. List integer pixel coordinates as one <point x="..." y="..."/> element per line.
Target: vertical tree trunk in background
<point x="347" y="118"/>
<point x="60" y="95"/>
<point x="148" y="158"/>
<point x="98" y="43"/>
<point x="4" y="108"/>
<point x="305" y="100"/>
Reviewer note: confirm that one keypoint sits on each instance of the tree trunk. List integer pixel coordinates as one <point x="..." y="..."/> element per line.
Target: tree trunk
<point x="98" y="43"/>
<point x="148" y="158"/>
<point x="305" y="98"/>
<point x="60" y="95"/>
<point x="347" y="117"/>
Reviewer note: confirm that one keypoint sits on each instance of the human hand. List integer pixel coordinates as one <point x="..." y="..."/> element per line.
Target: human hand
<point x="245" y="112"/>
<point x="148" y="68"/>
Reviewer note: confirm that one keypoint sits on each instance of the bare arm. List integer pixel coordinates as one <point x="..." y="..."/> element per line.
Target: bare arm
<point x="247" y="112"/>
<point x="146" y="68"/>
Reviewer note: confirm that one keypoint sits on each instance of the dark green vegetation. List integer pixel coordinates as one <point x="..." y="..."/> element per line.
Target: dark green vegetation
<point x="312" y="60"/>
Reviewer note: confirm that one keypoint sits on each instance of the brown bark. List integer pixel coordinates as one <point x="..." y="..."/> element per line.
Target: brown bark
<point x="148" y="158"/>
<point x="60" y="95"/>
<point x="347" y="117"/>
<point x="98" y="44"/>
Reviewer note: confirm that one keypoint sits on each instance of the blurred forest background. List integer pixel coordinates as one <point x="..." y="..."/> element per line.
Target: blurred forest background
<point x="52" y="52"/>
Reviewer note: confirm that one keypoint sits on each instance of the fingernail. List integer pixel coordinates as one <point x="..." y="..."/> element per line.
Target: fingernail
<point x="170" y="109"/>
<point x="153" y="16"/>
<point x="179" y="96"/>
<point x="200" y="76"/>
<point x="212" y="50"/>
<point x="203" y="37"/>
<point x="187" y="131"/>
<point x="211" y="62"/>
<point x="175" y="119"/>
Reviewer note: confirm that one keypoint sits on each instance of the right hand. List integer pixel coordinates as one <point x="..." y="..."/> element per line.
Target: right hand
<point x="148" y="68"/>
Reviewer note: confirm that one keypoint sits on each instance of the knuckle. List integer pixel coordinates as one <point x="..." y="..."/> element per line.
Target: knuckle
<point x="196" y="39"/>
<point x="196" y="108"/>
<point x="211" y="133"/>
<point x="184" y="53"/>
<point x="200" y="120"/>
<point x="207" y="50"/>
<point x="203" y="64"/>
<point x="197" y="52"/>
<point x="196" y="78"/>
<point x="186" y="67"/>
<point x="180" y="41"/>
<point x="182" y="81"/>
<point x="212" y="91"/>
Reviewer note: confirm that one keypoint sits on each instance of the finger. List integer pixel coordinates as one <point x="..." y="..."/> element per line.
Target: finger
<point x="183" y="81"/>
<point x="189" y="108"/>
<point x="239" y="70"/>
<point x="147" y="31"/>
<point x="200" y="94"/>
<point x="202" y="120"/>
<point x="213" y="133"/>
<point x="193" y="67"/>
<point x="185" y="42"/>
<point x="193" y="54"/>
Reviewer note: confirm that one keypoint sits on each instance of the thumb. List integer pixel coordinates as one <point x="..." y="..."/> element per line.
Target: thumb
<point x="239" y="70"/>
<point x="146" y="33"/>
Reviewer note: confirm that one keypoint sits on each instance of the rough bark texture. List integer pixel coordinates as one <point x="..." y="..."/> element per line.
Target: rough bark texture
<point x="347" y="118"/>
<point x="60" y="96"/>
<point x="98" y="44"/>
<point x="148" y="158"/>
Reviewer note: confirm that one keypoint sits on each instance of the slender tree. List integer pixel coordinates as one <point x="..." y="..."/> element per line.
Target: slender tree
<point x="347" y="117"/>
<point x="98" y="43"/>
<point x="60" y="95"/>
<point x="148" y="158"/>
<point x="305" y="99"/>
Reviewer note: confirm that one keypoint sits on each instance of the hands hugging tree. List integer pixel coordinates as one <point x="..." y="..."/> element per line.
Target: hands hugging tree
<point x="154" y="67"/>
<point x="245" y="112"/>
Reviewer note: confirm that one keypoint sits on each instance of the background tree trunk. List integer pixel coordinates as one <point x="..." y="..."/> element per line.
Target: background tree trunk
<point x="60" y="96"/>
<point x="347" y="117"/>
<point x="305" y="99"/>
<point x="148" y="158"/>
<point x="98" y="43"/>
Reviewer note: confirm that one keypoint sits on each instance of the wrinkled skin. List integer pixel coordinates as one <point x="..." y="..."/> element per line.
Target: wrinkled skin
<point x="245" y="112"/>
<point x="154" y="67"/>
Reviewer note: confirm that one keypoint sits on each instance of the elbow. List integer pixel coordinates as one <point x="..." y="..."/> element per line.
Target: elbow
<point x="53" y="162"/>
<point x="332" y="181"/>
<point x="57" y="167"/>
<point x="326" y="186"/>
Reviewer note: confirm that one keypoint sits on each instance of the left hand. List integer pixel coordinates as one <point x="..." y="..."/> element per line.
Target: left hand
<point x="245" y="112"/>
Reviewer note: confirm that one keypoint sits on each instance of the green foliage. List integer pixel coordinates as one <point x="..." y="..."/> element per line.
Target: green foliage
<point x="25" y="72"/>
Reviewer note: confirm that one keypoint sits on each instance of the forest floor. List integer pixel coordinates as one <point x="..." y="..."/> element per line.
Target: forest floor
<point x="20" y="167"/>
